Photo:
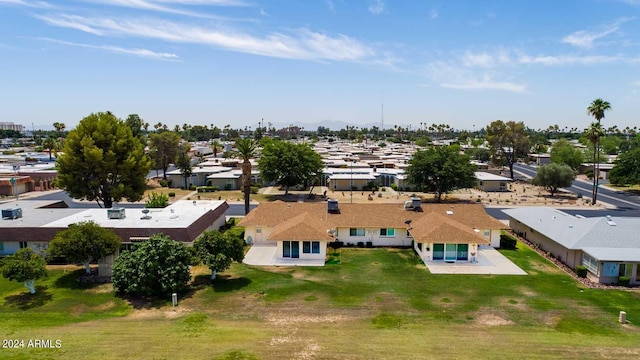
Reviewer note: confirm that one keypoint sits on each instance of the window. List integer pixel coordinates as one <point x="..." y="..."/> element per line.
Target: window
<point x="286" y="249"/>
<point x="315" y="247"/>
<point x="258" y="230"/>
<point x="622" y="270"/>
<point x="590" y="263"/>
<point x="1" y="246"/>
<point x="420" y="246"/>
<point x="388" y="232"/>
<point x="356" y="232"/>
<point x="23" y="244"/>
<point x="306" y="247"/>
<point x="486" y="233"/>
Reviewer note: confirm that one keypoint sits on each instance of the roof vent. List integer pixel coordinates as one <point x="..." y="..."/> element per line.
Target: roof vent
<point x="115" y="213"/>
<point x="12" y="213"/>
<point x="145" y="214"/>
<point x="332" y="206"/>
<point x="412" y="204"/>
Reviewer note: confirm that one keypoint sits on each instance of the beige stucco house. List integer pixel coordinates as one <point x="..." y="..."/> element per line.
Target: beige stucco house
<point x="437" y="232"/>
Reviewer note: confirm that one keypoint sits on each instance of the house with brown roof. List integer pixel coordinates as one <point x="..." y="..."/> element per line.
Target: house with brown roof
<point x="298" y="233"/>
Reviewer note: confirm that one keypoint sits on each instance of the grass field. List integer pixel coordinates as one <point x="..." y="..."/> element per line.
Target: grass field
<point x="368" y="303"/>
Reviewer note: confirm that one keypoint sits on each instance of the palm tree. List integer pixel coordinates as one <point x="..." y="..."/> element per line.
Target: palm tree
<point x="246" y="149"/>
<point x="59" y="128"/>
<point x="597" y="109"/>
<point x="215" y="146"/>
<point x="593" y="134"/>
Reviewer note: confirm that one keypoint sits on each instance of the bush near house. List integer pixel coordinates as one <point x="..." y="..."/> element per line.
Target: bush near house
<point x="623" y="281"/>
<point x="507" y="242"/>
<point x="208" y="188"/>
<point x="581" y="271"/>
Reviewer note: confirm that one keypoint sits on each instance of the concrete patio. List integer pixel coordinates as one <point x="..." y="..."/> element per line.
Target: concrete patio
<point x="489" y="261"/>
<point x="265" y="255"/>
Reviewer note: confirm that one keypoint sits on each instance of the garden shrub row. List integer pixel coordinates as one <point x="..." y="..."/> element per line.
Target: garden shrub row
<point x="507" y="242"/>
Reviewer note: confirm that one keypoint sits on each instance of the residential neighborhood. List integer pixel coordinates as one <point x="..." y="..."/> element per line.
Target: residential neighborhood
<point x="233" y="179"/>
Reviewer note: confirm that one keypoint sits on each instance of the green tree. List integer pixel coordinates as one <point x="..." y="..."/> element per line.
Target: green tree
<point x="216" y="146"/>
<point x="508" y="142"/>
<point x="626" y="170"/>
<point x="218" y="251"/>
<point x="25" y="266"/>
<point x="563" y="152"/>
<point x="59" y="128"/>
<point x="440" y="170"/>
<point x="183" y="162"/>
<point x="597" y="109"/>
<point x="50" y="144"/>
<point x="246" y="150"/>
<point x="593" y="134"/>
<point x="103" y="161"/>
<point x="157" y="200"/>
<point x="164" y="148"/>
<point x="554" y="176"/>
<point x="135" y="123"/>
<point x="610" y="144"/>
<point x="289" y="164"/>
<point x="84" y="242"/>
<point x="156" y="267"/>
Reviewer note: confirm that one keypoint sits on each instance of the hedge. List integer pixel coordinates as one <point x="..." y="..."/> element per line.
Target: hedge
<point x="507" y="241"/>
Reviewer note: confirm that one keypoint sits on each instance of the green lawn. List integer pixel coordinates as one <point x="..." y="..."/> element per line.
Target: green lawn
<point x="368" y="303"/>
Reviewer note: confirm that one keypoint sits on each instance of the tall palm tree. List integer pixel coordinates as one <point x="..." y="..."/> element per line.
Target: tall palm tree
<point x="593" y="133"/>
<point x="597" y="109"/>
<point x="215" y="147"/>
<point x="246" y="149"/>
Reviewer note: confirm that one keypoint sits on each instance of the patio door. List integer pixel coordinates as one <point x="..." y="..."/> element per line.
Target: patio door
<point x="438" y="251"/>
<point x="295" y="249"/>
<point x="450" y="252"/>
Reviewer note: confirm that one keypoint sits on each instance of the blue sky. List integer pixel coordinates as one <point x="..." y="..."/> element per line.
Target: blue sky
<point x="310" y="62"/>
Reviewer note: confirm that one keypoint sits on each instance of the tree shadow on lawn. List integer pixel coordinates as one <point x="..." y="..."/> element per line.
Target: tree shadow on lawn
<point x="70" y="281"/>
<point x="26" y="300"/>
<point x="222" y="283"/>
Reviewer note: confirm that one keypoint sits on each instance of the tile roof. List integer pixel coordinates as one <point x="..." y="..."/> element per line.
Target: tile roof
<point x="297" y="220"/>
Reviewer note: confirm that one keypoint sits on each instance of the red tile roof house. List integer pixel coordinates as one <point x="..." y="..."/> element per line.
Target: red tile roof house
<point x="300" y="232"/>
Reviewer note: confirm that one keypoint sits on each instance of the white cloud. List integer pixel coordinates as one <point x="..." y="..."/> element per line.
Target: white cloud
<point x="331" y="6"/>
<point x="302" y="44"/>
<point x="165" y="6"/>
<point x="145" y="53"/>
<point x="433" y="14"/>
<point x="486" y="84"/>
<point x="586" y="38"/>
<point x="567" y="60"/>
<point x="457" y="76"/>
<point x="33" y="4"/>
<point x="377" y="7"/>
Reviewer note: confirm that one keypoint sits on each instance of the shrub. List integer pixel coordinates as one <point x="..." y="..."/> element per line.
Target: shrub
<point x="157" y="200"/>
<point x="507" y="241"/>
<point x="208" y="188"/>
<point x="369" y="244"/>
<point x="335" y="244"/>
<point x="581" y="270"/>
<point x="227" y="186"/>
<point x="164" y="183"/>
<point x="394" y="187"/>
<point x="254" y="189"/>
<point x="623" y="281"/>
<point x="360" y="244"/>
<point x="589" y="173"/>
<point x="172" y="194"/>
<point x="192" y="187"/>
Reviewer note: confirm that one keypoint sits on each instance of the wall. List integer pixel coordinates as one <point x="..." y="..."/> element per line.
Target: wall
<point x="321" y="255"/>
<point x="373" y="235"/>
<point x="570" y="257"/>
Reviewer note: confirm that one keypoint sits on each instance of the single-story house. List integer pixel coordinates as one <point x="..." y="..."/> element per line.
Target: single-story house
<point x="437" y="232"/>
<point x="40" y="221"/>
<point x="608" y="247"/>
<point x="491" y="182"/>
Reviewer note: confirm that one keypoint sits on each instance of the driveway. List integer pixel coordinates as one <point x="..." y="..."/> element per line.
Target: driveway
<point x="489" y="262"/>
